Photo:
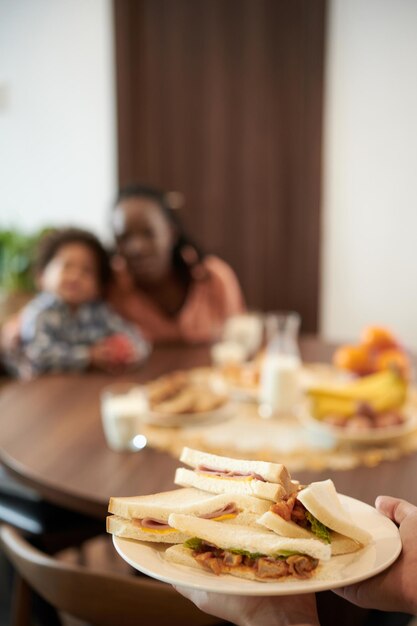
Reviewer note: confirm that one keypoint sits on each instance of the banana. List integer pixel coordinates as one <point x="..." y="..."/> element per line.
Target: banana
<point x="392" y="399"/>
<point x="372" y="384"/>
<point x="384" y="391"/>
<point x="321" y="407"/>
<point x="360" y="389"/>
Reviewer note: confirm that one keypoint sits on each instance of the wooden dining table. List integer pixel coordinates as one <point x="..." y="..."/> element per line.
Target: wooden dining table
<point x="51" y="438"/>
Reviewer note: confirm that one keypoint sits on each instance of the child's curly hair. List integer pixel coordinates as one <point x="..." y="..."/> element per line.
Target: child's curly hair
<point x="54" y="240"/>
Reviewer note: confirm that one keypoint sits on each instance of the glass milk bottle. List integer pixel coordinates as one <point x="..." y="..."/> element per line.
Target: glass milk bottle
<point x="279" y="373"/>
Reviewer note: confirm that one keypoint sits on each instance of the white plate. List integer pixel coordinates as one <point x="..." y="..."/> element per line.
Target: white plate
<point x="338" y="572"/>
<point x="172" y="420"/>
<point x="371" y="435"/>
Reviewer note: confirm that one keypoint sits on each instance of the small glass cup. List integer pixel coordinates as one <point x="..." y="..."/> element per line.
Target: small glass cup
<point x="121" y="407"/>
<point x="227" y="353"/>
<point x="246" y="330"/>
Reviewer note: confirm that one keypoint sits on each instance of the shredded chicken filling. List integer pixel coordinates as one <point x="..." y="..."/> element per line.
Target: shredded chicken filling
<point x="292" y="510"/>
<point x="226" y="561"/>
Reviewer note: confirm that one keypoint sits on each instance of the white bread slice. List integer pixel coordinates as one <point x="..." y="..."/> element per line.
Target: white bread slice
<point x="339" y="543"/>
<point x="189" y="501"/>
<point x="232" y="486"/>
<point x="181" y="555"/>
<point x="275" y="522"/>
<point x="122" y="527"/>
<point x="271" y="472"/>
<point x="342" y="544"/>
<point x="321" y="499"/>
<point x="227" y="536"/>
<point x="159" y="505"/>
<point x="244" y="518"/>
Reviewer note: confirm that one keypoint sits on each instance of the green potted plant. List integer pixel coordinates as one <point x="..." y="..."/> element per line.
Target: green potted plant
<point x="16" y="278"/>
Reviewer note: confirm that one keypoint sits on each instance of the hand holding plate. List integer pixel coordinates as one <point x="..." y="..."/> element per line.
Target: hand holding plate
<point x="252" y="610"/>
<point x="394" y="589"/>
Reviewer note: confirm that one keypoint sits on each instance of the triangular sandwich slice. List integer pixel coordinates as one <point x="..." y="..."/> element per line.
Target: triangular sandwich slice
<point x="219" y="474"/>
<point x="316" y="511"/>
<point x="145" y="518"/>
<point x="244" y="551"/>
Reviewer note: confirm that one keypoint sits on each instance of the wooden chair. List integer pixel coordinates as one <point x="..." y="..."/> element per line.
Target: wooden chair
<point x="52" y="528"/>
<point x="102" y="599"/>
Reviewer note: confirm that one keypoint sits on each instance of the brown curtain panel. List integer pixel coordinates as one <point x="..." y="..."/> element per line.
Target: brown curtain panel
<point x="222" y="100"/>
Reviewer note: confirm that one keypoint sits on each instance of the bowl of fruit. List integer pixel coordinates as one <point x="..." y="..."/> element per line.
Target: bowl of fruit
<point x="374" y="407"/>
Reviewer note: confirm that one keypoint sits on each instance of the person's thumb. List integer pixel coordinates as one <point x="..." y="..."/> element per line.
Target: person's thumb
<point x="394" y="508"/>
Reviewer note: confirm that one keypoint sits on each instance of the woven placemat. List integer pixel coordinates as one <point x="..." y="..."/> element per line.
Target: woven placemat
<point x="285" y="439"/>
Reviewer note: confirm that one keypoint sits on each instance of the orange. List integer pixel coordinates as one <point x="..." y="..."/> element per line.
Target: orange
<point x="393" y="358"/>
<point x="378" y="338"/>
<point x="356" y="359"/>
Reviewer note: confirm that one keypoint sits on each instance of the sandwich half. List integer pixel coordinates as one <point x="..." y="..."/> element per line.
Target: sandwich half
<point x="244" y="551"/>
<point x="316" y="512"/>
<point x="145" y="518"/>
<point x="218" y="474"/>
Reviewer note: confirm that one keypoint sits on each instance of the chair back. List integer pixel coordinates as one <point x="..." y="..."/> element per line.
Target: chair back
<point x="102" y="599"/>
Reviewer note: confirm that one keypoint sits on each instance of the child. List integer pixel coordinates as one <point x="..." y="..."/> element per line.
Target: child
<point x="67" y="327"/>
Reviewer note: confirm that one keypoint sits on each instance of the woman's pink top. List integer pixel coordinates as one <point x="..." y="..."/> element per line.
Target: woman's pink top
<point x="210" y="301"/>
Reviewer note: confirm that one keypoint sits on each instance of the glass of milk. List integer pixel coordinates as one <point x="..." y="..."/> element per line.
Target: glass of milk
<point x="122" y="404"/>
<point x="279" y="390"/>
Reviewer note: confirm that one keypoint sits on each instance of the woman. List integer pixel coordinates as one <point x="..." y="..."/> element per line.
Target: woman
<point x="162" y="281"/>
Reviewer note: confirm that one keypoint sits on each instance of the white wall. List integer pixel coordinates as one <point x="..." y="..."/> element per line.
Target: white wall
<point x="369" y="265"/>
<point x="57" y="121"/>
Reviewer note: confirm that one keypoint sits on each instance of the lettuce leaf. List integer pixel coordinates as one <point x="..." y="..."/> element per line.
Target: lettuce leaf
<point x="283" y="554"/>
<point x="194" y="543"/>
<point x="320" y="530"/>
<point x="251" y="555"/>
